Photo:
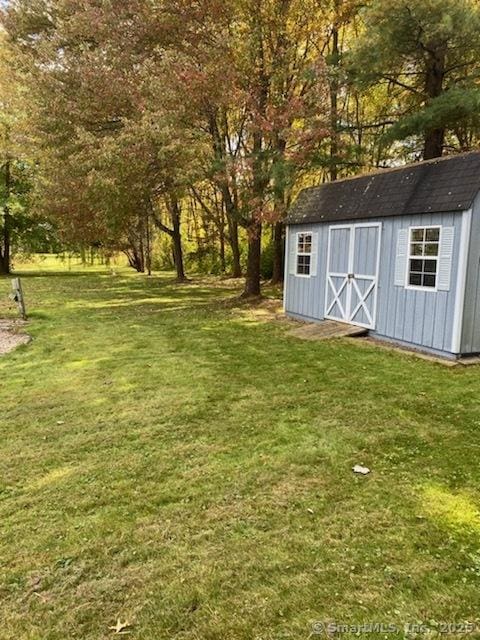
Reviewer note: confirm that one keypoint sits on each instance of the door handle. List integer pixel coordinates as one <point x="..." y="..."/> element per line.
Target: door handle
<point x="351" y="276"/>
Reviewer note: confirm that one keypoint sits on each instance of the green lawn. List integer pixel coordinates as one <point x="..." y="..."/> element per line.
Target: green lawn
<point x="169" y="460"/>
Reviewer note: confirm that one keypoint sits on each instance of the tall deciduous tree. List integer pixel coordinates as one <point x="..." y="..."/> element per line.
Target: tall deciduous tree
<point x="15" y="166"/>
<point x="98" y="72"/>
<point x="282" y="76"/>
<point x="264" y="106"/>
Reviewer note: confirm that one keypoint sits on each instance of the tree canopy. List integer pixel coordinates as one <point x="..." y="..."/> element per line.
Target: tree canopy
<point x="194" y="125"/>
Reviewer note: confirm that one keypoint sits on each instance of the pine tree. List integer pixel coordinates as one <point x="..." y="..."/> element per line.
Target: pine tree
<point x="427" y="54"/>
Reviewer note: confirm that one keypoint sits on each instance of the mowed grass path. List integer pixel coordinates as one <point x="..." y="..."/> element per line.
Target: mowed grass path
<point x="168" y="460"/>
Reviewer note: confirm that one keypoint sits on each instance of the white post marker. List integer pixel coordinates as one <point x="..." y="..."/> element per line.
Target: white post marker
<point x="17" y="296"/>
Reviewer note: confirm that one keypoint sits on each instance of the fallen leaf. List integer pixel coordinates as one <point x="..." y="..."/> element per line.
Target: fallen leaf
<point x="121" y="627"/>
<point x="42" y="596"/>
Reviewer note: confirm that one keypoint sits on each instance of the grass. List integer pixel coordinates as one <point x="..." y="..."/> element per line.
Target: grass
<point x="168" y="460"/>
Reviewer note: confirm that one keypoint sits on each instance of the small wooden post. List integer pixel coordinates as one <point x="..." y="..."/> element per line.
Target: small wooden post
<point x="18" y="297"/>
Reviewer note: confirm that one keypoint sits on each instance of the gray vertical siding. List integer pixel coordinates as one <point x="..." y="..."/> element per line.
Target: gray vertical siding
<point x="419" y="318"/>
<point x="306" y="296"/>
<point x="470" y="342"/>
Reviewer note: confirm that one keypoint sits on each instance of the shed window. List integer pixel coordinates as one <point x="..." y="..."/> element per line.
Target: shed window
<point x="423" y="257"/>
<point x="304" y="254"/>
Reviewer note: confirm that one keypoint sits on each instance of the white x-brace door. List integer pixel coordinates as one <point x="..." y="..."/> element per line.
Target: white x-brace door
<point x="352" y="273"/>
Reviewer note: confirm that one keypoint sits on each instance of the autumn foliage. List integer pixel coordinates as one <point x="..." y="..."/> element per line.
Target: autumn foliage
<point x="147" y="117"/>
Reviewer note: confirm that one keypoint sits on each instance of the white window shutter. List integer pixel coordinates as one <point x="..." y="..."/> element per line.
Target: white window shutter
<point x="292" y="252"/>
<point x="314" y="258"/>
<point x="445" y="259"/>
<point x="401" y="258"/>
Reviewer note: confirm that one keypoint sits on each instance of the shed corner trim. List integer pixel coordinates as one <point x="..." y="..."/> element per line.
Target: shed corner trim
<point x="461" y="281"/>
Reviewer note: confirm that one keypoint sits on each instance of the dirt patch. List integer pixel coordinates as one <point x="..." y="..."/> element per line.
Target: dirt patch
<point x="268" y="309"/>
<point x="11" y="335"/>
<point x="260" y="309"/>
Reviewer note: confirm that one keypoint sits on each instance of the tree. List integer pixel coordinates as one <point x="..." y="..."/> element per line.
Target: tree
<point x="263" y="102"/>
<point x="101" y="114"/>
<point x="233" y="94"/>
<point x="8" y="149"/>
<point x="17" y="229"/>
<point x="283" y="79"/>
<point x="426" y="53"/>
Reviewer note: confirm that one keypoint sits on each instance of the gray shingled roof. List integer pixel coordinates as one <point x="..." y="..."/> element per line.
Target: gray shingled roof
<point x="440" y="185"/>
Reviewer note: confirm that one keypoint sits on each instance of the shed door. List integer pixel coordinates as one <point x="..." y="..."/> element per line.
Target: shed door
<point x="352" y="273"/>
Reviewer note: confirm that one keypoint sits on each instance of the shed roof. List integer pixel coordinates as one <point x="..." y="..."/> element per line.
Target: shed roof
<point x="434" y="186"/>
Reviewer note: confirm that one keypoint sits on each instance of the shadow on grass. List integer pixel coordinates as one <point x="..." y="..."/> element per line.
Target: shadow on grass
<point x="203" y="452"/>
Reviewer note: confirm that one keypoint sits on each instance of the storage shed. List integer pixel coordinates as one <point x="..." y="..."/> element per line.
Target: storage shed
<point x="396" y="252"/>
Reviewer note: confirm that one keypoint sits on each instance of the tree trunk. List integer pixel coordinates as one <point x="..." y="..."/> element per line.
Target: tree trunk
<point x="5" y="266"/>
<point x="252" y="281"/>
<point x="254" y="229"/>
<point x="434" y="142"/>
<point x="218" y="145"/>
<point x="260" y="177"/>
<point x="134" y="260"/>
<point x="135" y="255"/>
<point x="334" y="98"/>
<point x="280" y="208"/>
<point x="177" y="238"/>
<point x="235" y="247"/>
<point x="278" y="253"/>
<point x="141" y="247"/>
<point x="223" y="266"/>
<point x="4" y="269"/>
<point x="148" y="248"/>
<point x="434" y="77"/>
<point x="175" y="232"/>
